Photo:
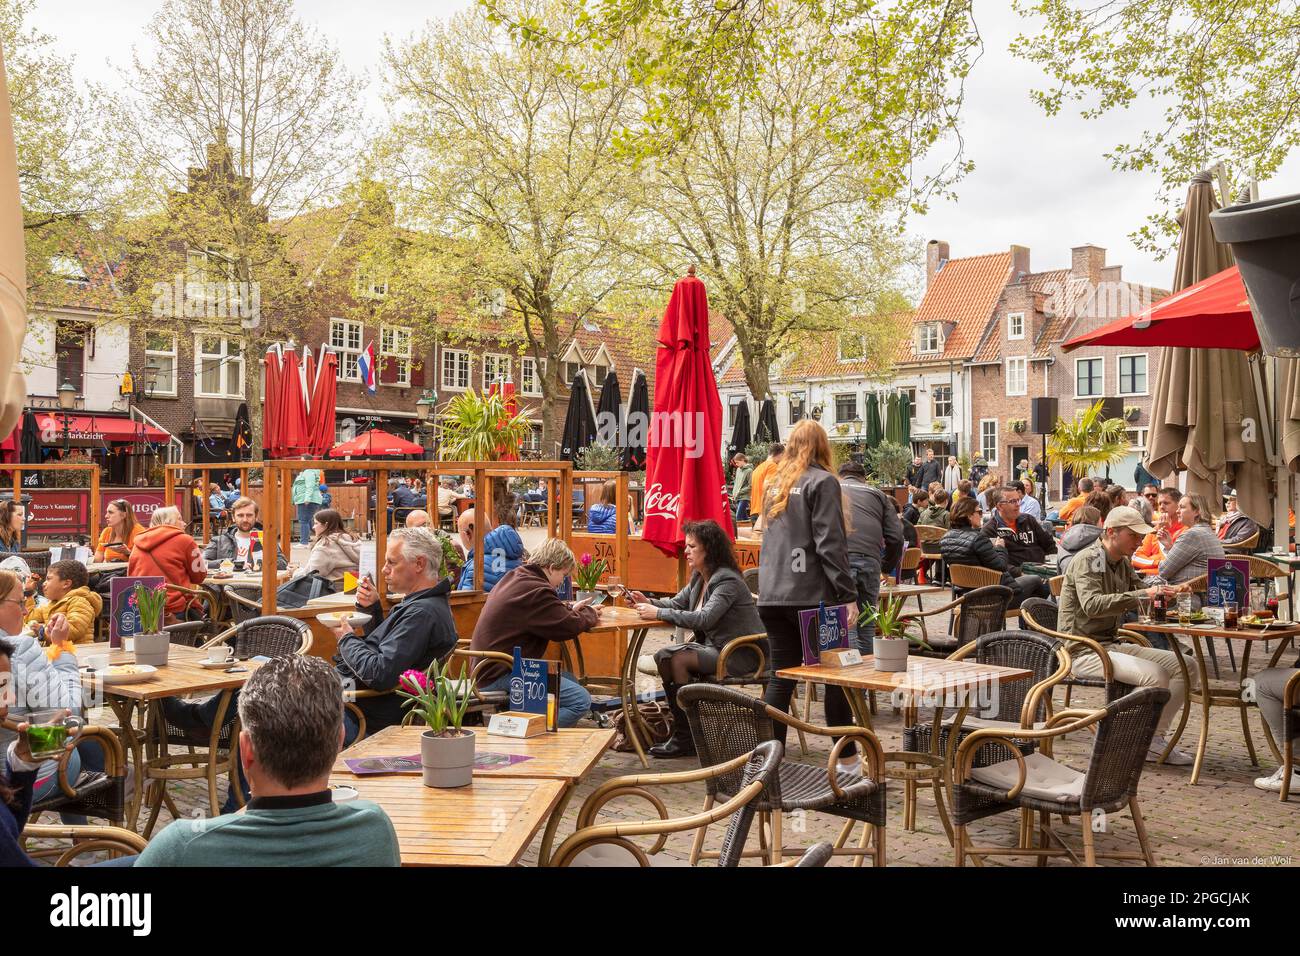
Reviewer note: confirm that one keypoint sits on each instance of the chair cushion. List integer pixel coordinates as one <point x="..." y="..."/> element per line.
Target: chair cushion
<point x="973" y="722"/>
<point x="1045" y="779"/>
<point x="645" y="664"/>
<point x="610" y="854"/>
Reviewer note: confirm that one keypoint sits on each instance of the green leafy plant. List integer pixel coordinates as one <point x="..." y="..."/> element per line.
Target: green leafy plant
<point x="71" y="479"/>
<point x="888" y="462"/>
<point x="1088" y="442"/>
<point x="479" y="427"/>
<point x="758" y="452"/>
<point x="151" y="603"/>
<point x="598" y="457"/>
<point x="440" y="701"/>
<point x="889" y="619"/>
<point x="587" y="572"/>
<point x="451" y="559"/>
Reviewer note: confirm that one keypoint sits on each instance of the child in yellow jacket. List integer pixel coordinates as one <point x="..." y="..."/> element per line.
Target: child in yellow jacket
<point x="67" y="586"/>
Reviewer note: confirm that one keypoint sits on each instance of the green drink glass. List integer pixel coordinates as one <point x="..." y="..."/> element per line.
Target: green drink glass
<point x="48" y="732"/>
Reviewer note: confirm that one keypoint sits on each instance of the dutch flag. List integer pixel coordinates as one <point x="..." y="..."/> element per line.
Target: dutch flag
<point x="366" y="365"/>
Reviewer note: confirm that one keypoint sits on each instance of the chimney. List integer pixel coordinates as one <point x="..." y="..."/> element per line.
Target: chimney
<point x="936" y="254"/>
<point x="1112" y="274"/>
<point x="1087" y="262"/>
<point x="1019" y="262"/>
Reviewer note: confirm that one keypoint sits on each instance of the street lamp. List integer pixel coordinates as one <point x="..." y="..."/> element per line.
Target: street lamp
<point x="424" y="409"/>
<point x="67" y="399"/>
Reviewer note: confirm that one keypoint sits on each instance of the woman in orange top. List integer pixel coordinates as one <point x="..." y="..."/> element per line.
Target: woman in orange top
<point x="120" y="528"/>
<point x="1149" y="554"/>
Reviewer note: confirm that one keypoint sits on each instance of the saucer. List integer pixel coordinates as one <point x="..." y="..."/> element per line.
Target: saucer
<point x="218" y="665"/>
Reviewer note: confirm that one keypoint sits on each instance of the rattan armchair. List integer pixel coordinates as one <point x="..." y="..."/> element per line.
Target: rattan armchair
<point x="750" y="577"/>
<point x="100" y="794"/>
<point x="756" y="770"/>
<point x="727" y="724"/>
<point x="85" y="839"/>
<point x="244" y="603"/>
<point x="1244" y="546"/>
<point x="1124" y="730"/>
<point x="1041" y="615"/>
<point x="268" y="636"/>
<point x="977" y="611"/>
<point x="201" y="595"/>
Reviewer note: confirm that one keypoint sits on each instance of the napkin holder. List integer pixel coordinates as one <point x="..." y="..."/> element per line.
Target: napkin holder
<point x="841" y="657"/>
<point x="511" y="723"/>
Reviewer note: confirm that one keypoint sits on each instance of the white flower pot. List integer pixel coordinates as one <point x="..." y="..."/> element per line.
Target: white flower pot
<point x="890" y="653"/>
<point x="447" y="761"/>
<point x="152" y="649"/>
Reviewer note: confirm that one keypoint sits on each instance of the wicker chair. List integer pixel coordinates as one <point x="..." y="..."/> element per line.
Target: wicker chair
<point x="727" y="724"/>
<point x="269" y="636"/>
<point x="85" y="839"/>
<point x="757" y="770"/>
<point x="927" y="540"/>
<point x="1017" y="704"/>
<point x="1056" y="584"/>
<point x="244" y="603"/>
<point x="37" y="561"/>
<point x="94" y="793"/>
<point x="978" y="611"/>
<point x="1244" y="546"/>
<point x="1124" y="730"/>
<point x="1041" y="615"/>
<point x="751" y="580"/>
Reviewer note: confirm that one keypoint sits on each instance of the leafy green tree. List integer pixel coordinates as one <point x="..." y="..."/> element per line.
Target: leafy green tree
<point x="1224" y="74"/>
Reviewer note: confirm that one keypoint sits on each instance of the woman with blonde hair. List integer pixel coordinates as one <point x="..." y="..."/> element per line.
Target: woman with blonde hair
<point x="804" y="562"/>
<point x="1189" y="556"/>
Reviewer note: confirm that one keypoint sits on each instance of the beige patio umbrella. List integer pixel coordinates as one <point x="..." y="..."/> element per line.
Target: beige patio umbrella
<point x="13" y="271"/>
<point x="1206" y="418"/>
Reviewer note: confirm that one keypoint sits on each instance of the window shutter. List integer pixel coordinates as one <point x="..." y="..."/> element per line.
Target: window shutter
<point x="417" y="374"/>
<point x="387" y="370"/>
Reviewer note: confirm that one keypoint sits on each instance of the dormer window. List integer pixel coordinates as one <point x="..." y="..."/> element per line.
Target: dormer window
<point x="852" y="347"/>
<point x="929" y="337"/>
<point x="69" y="270"/>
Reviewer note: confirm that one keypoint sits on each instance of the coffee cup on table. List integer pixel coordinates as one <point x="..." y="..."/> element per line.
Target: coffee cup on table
<point x="220" y="653"/>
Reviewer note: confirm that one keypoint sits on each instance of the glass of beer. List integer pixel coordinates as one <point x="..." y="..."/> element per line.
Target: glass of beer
<point x="1230" y="616"/>
<point x="1184" y="609"/>
<point x="47" y="732"/>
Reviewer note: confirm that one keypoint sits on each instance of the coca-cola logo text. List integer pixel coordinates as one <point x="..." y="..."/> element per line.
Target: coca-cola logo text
<point x="660" y="504"/>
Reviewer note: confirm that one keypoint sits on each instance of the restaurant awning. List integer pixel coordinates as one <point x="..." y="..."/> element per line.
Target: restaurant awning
<point x="105" y="428"/>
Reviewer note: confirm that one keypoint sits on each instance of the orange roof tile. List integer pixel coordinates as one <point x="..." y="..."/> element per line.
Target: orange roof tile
<point x="964" y="294"/>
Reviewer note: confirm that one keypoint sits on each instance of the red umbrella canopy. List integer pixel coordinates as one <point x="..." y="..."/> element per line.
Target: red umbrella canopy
<point x="293" y="409"/>
<point x="684" y="479"/>
<point x="324" y="395"/>
<point x="375" y="442"/>
<point x="271" y="401"/>
<point x="1212" y="314"/>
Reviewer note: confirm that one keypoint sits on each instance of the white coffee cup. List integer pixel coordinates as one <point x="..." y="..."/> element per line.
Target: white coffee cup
<point x="219" y="653"/>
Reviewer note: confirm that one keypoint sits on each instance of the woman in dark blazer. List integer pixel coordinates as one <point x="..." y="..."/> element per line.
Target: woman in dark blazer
<point x="717" y="606"/>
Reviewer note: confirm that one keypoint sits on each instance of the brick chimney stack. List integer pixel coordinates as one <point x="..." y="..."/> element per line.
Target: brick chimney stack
<point x="1087" y="262"/>
<point x="1019" y="262"/>
<point x="936" y="253"/>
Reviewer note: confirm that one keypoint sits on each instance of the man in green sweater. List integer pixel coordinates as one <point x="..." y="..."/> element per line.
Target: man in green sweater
<point x="292" y="715"/>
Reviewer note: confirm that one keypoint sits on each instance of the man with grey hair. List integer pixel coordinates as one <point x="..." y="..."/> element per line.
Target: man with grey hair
<point x="523" y="610"/>
<point x="291" y="711"/>
<point x="411" y="635"/>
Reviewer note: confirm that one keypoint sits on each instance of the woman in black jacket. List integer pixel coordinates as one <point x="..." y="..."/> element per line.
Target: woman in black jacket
<point x="804" y="563"/>
<point x="716" y="607"/>
<point x="965" y="543"/>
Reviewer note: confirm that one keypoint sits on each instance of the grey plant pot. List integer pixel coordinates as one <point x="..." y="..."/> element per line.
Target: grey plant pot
<point x="1265" y="239"/>
<point x="152" y="649"/>
<point x="447" y="762"/>
<point x="890" y="653"/>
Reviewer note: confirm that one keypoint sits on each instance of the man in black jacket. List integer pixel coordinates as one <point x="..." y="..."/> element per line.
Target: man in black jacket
<point x="875" y="541"/>
<point x="931" y="471"/>
<point x="241" y="539"/>
<point x="1025" y="540"/>
<point x="966" y="544"/>
<point x="914" y="473"/>
<point x="410" y="636"/>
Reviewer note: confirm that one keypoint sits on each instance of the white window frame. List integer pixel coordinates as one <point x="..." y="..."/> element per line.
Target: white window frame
<point x="388" y="349"/>
<point x="492" y="375"/>
<point x="226" y="361"/>
<point x="533" y="440"/>
<point x="345" y="350"/>
<point x="925" y="329"/>
<point x="1119" y="373"/>
<point x="538" y="367"/>
<point x="463" y="364"/>
<point x="1142" y="437"/>
<point x="993" y="458"/>
<point x="862" y="347"/>
<point x="857" y="407"/>
<point x="934" y="401"/>
<point x="1014" y="319"/>
<point x="911" y="401"/>
<point x="1022" y="363"/>
<point x="173" y="354"/>
<point x="803" y="407"/>
<point x="1101" y="392"/>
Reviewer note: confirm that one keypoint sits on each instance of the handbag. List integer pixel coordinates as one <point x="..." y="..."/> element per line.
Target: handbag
<point x="654" y="716"/>
<point x="299" y="591"/>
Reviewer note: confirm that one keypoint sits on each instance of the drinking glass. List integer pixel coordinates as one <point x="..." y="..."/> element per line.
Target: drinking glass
<point x="1144" y="610"/>
<point x="47" y="732"/>
<point x="1258" y="597"/>
<point x="1230" y="615"/>
<point x="614" y="588"/>
<point x="1184" y="609"/>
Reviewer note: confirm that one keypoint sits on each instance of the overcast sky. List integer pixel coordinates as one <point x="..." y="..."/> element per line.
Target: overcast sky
<point x="1038" y="182"/>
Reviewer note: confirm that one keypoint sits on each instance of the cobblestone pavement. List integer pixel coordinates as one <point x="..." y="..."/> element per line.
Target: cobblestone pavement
<point x="1224" y="818"/>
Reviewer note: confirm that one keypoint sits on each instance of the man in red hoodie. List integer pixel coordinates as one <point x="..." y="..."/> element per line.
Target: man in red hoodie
<point x="523" y="610"/>
<point x="166" y="551"/>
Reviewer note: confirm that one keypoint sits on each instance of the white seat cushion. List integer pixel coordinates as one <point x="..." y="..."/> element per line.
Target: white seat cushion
<point x="610" y="854"/>
<point x="973" y="722"/>
<point x="1045" y="779"/>
<point x="645" y="664"/>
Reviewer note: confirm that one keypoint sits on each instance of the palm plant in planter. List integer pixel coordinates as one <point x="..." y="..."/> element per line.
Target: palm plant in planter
<point x="477" y="426"/>
<point x="446" y="749"/>
<point x="1088" y="442"/>
<point x="894" y="633"/>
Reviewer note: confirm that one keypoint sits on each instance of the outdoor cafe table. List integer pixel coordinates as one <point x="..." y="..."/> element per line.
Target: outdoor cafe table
<point x="927" y="682"/>
<point x="566" y="756"/>
<point x="182" y="675"/>
<point x="101" y="567"/>
<point x="1289" y="563"/>
<point x="1209" y="693"/>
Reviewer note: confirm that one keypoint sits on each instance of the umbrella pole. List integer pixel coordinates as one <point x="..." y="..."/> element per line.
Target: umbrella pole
<point x="1282" y="496"/>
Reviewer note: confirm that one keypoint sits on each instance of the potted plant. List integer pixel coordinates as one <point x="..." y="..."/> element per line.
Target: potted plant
<point x="152" y="643"/>
<point x="1018" y="425"/>
<point x="587" y="574"/>
<point x="894" y="634"/>
<point x="1132" y="413"/>
<point x="1088" y="442"/>
<point x="446" y="749"/>
<point x="888" y="463"/>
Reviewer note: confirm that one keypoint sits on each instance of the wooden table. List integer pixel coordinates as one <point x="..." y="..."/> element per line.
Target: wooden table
<point x="183" y="675"/>
<point x="1221" y="693"/>
<point x="925" y="683"/>
<point x="566" y="756"/>
<point x="99" y="567"/>
<point x="909" y="590"/>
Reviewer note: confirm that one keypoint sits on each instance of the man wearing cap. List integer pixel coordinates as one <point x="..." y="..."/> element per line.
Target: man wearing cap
<point x="1234" y="526"/>
<point x="1100" y="587"/>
